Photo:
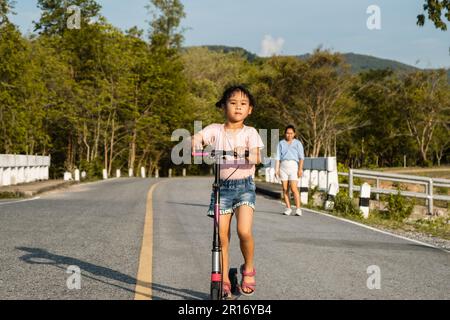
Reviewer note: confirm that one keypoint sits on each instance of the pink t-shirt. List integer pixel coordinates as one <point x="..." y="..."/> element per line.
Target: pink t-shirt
<point x="248" y="138"/>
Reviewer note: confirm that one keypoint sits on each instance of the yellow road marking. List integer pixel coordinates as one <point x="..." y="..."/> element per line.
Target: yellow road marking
<point x="143" y="290"/>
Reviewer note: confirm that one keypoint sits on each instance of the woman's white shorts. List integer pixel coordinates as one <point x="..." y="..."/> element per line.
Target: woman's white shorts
<point x="289" y="170"/>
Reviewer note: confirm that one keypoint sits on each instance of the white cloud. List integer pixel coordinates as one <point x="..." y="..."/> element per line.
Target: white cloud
<point x="271" y="46"/>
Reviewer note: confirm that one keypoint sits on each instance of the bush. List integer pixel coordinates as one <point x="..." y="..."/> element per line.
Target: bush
<point x="94" y="169"/>
<point x="10" y="195"/>
<point x="342" y="168"/>
<point x="311" y="193"/>
<point x="442" y="190"/>
<point x="399" y="207"/>
<point x="344" y="206"/>
<point x="428" y="163"/>
<point x="439" y="227"/>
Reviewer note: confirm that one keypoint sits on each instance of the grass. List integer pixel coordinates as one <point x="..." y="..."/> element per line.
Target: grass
<point x="10" y="195"/>
<point x="442" y="172"/>
<point x="436" y="227"/>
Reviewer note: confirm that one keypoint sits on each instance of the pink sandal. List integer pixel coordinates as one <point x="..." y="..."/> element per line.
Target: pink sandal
<point x="226" y="290"/>
<point x="246" y="285"/>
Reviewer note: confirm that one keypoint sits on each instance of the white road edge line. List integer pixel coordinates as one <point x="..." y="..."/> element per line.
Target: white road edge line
<point x="378" y="230"/>
<point x="18" y="201"/>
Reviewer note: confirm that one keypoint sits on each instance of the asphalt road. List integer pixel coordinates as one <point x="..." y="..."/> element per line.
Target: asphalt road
<point x="99" y="227"/>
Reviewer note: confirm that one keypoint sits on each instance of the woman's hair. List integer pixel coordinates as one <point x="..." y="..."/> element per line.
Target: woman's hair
<point x="289" y="127"/>
<point x="230" y="91"/>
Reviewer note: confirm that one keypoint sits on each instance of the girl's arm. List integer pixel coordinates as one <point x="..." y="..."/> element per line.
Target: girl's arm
<point x="254" y="144"/>
<point x="254" y="156"/>
<point x="277" y="166"/>
<point x="197" y="142"/>
<point x="278" y="158"/>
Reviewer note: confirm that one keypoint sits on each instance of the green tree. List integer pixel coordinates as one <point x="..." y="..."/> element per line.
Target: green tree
<point x="168" y="86"/>
<point x="441" y="141"/>
<point x="165" y="23"/>
<point x="208" y="73"/>
<point x="434" y="9"/>
<point x="6" y="7"/>
<point x="386" y="136"/>
<point x="55" y="14"/>
<point x="424" y="100"/>
<point x="313" y="95"/>
<point x="12" y="66"/>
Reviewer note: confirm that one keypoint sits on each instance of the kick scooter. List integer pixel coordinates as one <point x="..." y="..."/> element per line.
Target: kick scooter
<point x="216" y="272"/>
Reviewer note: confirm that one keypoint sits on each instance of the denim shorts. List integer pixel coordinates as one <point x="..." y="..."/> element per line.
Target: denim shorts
<point x="233" y="194"/>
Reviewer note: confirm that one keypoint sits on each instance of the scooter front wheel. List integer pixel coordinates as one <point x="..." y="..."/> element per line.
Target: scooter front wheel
<point x="215" y="291"/>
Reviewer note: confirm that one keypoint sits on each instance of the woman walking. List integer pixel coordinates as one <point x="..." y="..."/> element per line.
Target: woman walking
<point x="289" y="168"/>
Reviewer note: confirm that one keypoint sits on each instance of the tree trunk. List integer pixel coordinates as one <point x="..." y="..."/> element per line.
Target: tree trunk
<point x="69" y="158"/>
<point x="112" y="143"/>
<point x="133" y="149"/>
<point x="105" y="142"/>
<point x="97" y="139"/>
<point x="88" y="148"/>
<point x="335" y="145"/>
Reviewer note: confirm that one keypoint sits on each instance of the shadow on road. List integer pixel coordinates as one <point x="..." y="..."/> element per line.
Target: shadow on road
<point x="179" y="293"/>
<point x="43" y="257"/>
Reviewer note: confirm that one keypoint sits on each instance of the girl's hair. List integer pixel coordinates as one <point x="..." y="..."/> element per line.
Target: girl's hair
<point x="229" y="92"/>
<point x="289" y="127"/>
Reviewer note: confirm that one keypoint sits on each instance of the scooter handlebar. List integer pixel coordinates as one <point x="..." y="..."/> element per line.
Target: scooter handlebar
<point x="200" y="153"/>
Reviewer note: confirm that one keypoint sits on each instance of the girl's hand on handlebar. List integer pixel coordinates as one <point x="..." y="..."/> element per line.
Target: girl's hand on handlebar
<point x="196" y="143"/>
<point x="240" y="152"/>
<point x="254" y="156"/>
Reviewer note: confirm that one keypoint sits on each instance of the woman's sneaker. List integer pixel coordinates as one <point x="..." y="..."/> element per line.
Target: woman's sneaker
<point x="298" y="212"/>
<point x="287" y="212"/>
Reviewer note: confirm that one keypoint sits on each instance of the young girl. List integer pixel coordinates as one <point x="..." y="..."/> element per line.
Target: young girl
<point x="237" y="191"/>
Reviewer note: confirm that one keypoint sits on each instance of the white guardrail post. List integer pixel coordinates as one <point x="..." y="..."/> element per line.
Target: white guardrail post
<point x="77" y="175"/>
<point x="17" y="169"/>
<point x="331" y="196"/>
<point x="364" y="200"/>
<point x="350" y="183"/>
<point x="430" y="196"/>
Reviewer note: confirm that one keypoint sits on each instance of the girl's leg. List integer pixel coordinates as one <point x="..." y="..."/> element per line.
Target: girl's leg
<point x="244" y="217"/>
<point x="294" y="190"/>
<point x="286" y="193"/>
<point x="224" y="234"/>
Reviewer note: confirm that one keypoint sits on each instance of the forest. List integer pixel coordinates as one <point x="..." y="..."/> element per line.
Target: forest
<point x="97" y="97"/>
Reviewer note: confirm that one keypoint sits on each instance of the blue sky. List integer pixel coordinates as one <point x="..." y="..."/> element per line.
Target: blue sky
<point x="291" y="26"/>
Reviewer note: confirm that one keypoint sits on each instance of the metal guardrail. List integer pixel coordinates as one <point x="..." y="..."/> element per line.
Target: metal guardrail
<point x="428" y="183"/>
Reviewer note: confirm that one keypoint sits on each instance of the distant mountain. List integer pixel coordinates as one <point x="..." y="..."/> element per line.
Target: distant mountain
<point x="247" y="54"/>
<point x="361" y="62"/>
<point x="358" y="62"/>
